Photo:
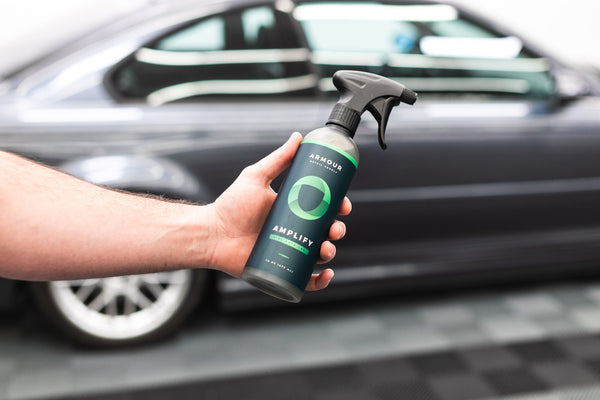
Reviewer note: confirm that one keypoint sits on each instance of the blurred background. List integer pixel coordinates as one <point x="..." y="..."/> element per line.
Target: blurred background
<point x="470" y="268"/>
<point x="566" y="28"/>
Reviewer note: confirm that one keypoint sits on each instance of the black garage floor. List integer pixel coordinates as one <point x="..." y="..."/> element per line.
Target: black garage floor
<point x="527" y="343"/>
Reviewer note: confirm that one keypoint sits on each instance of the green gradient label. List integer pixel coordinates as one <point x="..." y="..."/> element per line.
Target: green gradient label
<point x="288" y="242"/>
<point x="323" y="205"/>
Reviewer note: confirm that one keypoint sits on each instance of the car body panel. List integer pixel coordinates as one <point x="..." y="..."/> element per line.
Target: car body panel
<point x="467" y="184"/>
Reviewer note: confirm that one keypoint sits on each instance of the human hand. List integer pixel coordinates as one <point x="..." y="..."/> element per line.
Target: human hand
<point x="241" y="210"/>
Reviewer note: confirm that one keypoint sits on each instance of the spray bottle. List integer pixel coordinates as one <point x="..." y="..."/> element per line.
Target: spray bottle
<point x="289" y="243"/>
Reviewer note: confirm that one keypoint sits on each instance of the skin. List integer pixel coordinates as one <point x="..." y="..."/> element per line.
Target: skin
<point x="57" y="227"/>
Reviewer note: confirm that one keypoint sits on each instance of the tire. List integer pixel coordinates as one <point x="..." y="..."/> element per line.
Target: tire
<point x="119" y="311"/>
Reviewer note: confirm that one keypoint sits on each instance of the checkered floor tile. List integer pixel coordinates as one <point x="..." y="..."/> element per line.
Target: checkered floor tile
<point x="527" y="369"/>
<point x="534" y="343"/>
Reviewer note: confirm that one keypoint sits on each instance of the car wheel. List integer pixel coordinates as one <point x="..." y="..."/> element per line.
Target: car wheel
<point x="121" y="310"/>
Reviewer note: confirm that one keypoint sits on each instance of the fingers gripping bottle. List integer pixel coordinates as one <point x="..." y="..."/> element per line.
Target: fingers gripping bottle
<point x="289" y="243"/>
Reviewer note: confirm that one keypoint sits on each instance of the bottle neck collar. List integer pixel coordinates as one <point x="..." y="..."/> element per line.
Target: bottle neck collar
<point x="345" y="117"/>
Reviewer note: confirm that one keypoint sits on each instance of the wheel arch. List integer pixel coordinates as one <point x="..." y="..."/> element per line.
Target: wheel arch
<point x="140" y="174"/>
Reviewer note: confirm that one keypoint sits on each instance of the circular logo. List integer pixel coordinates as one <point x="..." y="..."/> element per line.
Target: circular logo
<point x="320" y="209"/>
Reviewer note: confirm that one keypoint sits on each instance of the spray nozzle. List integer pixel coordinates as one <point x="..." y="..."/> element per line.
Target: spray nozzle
<point x="360" y="91"/>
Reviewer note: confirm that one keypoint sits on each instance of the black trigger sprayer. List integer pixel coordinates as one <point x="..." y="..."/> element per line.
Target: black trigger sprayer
<point x="289" y="243"/>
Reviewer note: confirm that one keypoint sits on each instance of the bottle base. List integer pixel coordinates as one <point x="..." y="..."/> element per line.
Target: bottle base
<point x="272" y="285"/>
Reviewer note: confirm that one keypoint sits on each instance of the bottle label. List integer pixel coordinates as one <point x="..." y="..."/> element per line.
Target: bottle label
<point x="307" y="204"/>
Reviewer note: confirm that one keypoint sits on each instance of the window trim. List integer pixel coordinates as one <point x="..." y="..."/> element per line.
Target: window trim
<point x="242" y="87"/>
<point x="192" y="58"/>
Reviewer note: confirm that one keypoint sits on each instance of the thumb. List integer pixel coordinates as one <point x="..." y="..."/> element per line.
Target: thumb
<point x="271" y="166"/>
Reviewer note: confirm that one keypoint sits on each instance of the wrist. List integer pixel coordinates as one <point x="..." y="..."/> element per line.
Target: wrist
<point x="201" y="243"/>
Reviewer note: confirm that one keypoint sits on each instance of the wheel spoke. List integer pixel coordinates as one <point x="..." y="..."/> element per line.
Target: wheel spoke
<point x="129" y="307"/>
<point x="155" y="289"/>
<point x="111" y="307"/>
<point x="140" y="299"/>
<point x="99" y="302"/>
<point x="84" y="292"/>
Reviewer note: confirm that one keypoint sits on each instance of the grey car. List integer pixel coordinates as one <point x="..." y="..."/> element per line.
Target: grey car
<point x="494" y="172"/>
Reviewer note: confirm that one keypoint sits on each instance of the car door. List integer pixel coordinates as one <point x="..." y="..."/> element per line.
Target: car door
<point x="480" y="166"/>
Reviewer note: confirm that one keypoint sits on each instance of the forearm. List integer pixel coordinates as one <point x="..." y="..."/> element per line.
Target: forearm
<point x="54" y="226"/>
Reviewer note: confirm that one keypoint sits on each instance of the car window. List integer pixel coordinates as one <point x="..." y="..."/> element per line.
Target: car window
<point x="204" y="36"/>
<point x="253" y="51"/>
<point x="430" y="48"/>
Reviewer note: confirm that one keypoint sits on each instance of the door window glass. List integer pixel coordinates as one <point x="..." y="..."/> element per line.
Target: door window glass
<point x="252" y="51"/>
<point x="429" y="47"/>
<point x="203" y="36"/>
